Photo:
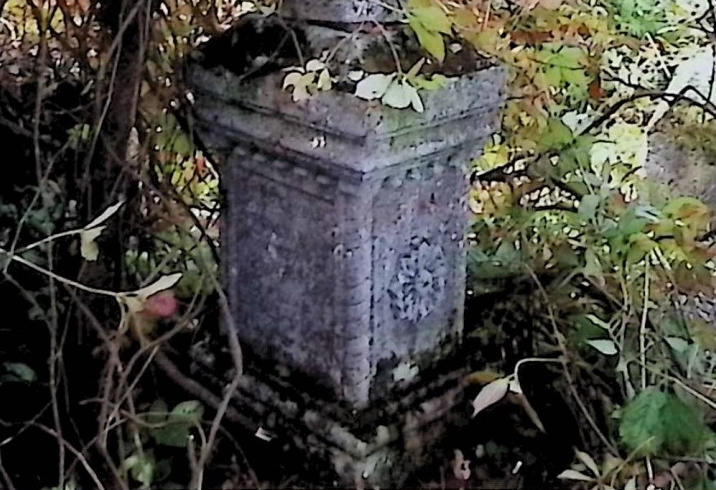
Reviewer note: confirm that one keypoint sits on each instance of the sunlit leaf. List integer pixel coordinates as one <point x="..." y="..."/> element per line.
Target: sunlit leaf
<point x="606" y="347"/>
<point x="315" y="65"/>
<point x="374" y="86"/>
<point x="398" y="95"/>
<point x="432" y="41"/>
<point x="490" y="394"/>
<point x="88" y="245"/>
<point x="108" y="213"/>
<point x="574" y="475"/>
<point x="678" y="344"/>
<point x="588" y="462"/>
<point x="161" y="284"/>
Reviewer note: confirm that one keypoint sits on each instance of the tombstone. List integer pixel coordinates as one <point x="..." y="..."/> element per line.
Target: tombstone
<point x="343" y="248"/>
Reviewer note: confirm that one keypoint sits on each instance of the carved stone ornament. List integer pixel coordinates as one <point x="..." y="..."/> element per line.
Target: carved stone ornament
<point x="419" y="282"/>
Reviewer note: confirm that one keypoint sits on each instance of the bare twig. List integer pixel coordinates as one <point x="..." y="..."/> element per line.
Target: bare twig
<point x="95" y="479"/>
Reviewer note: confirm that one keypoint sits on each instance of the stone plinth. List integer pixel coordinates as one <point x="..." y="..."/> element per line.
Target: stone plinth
<point x="344" y="258"/>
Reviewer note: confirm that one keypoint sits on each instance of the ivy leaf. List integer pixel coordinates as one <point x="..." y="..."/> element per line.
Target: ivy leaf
<point x="658" y="423"/>
<point x="373" y="86"/>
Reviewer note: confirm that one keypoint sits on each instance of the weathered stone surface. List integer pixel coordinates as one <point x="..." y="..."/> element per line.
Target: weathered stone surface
<point x="376" y="447"/>
<point x="352" y="11"/>
<point x="686" y="172"/>
<point x="346" y="224"/>
<point x="344" y="256"/>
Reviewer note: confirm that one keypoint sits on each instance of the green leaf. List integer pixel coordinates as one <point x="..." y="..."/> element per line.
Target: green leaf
<point x="592" y="266"/>
<point x="190" y="412"/>
<point x="435" y="82"/>
<point x="397" y="96"/>
<point x="558" y="135"/>
<point x="161" y="284"/>
<point x="141" y="468"/>
<point x="433" y="18"/>
<point x="678" y="344"/>
<point x="157" y="413"/>
<point x="574" y="475"/>
<point x="606" y="347"/>
<point x="182" y="145"/>
<point x="639" y="246"/>
<point x="106" y="214"/>
<point x="172" y="435"/>
<point x="490" y="394"/>
<point x="374" y="86"/>
<point x="598" y="322"/>
<point x="431" y="41"/>
<point x="588" y="206"/>
<point x="18" y="371"/>
<point x="569" y="57"/>
<point x="553" y="76"/>
<point x="179" y="422"/>
<point x="656" y="423"/>
<point x="88" y="245"/>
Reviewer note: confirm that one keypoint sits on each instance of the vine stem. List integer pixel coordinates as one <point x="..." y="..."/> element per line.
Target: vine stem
<point x="642" y="329"/>
<point x="57" y="277"/>
<point x="49" y="239"/>
<point x="563" y="347"/>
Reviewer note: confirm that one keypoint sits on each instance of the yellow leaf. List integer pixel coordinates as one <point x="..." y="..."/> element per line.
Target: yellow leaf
<point x="88" y="246"/>
<point x="482" y="377"/>
<point x="433" y="18"/>
<point x="431" y="41"/>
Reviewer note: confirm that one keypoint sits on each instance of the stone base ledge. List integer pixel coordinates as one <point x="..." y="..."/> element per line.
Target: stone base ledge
<point x="339" y="454"/>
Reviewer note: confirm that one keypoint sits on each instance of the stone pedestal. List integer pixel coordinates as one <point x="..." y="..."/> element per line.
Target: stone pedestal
<point x="344" y="258"/>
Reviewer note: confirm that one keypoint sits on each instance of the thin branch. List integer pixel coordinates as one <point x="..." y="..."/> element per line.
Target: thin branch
<point x="95" y="479"/>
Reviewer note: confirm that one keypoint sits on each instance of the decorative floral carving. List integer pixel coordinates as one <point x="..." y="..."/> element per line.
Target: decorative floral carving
<point x="419" y="282"/>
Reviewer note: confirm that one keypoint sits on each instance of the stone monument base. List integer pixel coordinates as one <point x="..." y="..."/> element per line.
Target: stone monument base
<point x="378" y="447"/>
